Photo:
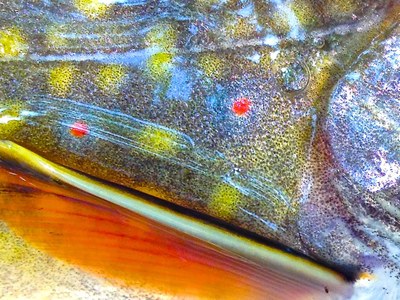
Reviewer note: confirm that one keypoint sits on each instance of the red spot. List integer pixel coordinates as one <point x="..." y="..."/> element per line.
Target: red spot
<point x="79" y="129"/>
<point x="241" y="106"/>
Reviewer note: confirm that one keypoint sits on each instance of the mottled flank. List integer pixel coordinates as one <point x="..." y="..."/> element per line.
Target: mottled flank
<point x="278" y="117"/>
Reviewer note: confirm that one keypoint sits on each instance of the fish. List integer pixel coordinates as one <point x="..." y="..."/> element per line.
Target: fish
<point x="248" y="149"/>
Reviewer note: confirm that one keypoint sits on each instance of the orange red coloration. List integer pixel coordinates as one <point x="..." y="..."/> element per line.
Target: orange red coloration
<point x="241" y="106"/>
<point x="115" y="243"/>
<point x="79" y="129"/>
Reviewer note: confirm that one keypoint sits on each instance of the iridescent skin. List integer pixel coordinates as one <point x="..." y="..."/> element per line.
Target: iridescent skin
<point x="157" y="82"/>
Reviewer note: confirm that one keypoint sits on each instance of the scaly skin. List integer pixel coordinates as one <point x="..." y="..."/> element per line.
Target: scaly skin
<point x="156" y="82"/>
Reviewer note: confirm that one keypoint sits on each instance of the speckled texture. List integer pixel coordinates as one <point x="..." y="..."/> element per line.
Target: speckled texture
<point x="156" y="82"/>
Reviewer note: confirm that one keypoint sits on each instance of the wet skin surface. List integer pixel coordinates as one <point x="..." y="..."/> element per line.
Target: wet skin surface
<point x="277" y="117"/>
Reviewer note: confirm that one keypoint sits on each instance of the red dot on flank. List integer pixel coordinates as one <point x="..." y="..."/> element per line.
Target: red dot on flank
<point x="79" y="129"/>
<point x="241" y="106"/>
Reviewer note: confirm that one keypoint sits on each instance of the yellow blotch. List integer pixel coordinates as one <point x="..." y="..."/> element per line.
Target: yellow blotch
<point x="159" y="66"/>
<point x="163" y="36"/>
<point x="338" y="8"/>
<point x="212" y="65"/>
<point x="224" y="201"/>
<point x="159" y="141"/>
<point x="10" y="117"/>
<point x="93" y="9"/>
<point x="110" y="78"/>
<point x="306" y="13"/>
<point x="12" y="43"/>
<point x="61" y="79"/>
<point x="242" y="28"/>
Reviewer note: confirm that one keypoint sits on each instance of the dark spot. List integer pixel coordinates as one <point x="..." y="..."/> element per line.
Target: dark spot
<point x="326" y="290"/>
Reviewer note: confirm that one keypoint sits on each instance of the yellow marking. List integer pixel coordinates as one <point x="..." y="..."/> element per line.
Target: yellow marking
<point x="159" y="141"/>
<point x="336" y="8"/>
<point x="305" y="13"/>
<point x="224" y="201"/>
<point x="159" y="66"/>
<point x="242" y="28"/>
<point x="110" y="78"/>
<point x="163" y="36"/>
<point x="12" y="43"/>
<point x="61" y="79"/>
<point x="93" y="9"/>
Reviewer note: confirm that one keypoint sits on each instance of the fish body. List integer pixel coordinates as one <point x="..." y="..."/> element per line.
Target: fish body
<point x="277" y="118"/>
